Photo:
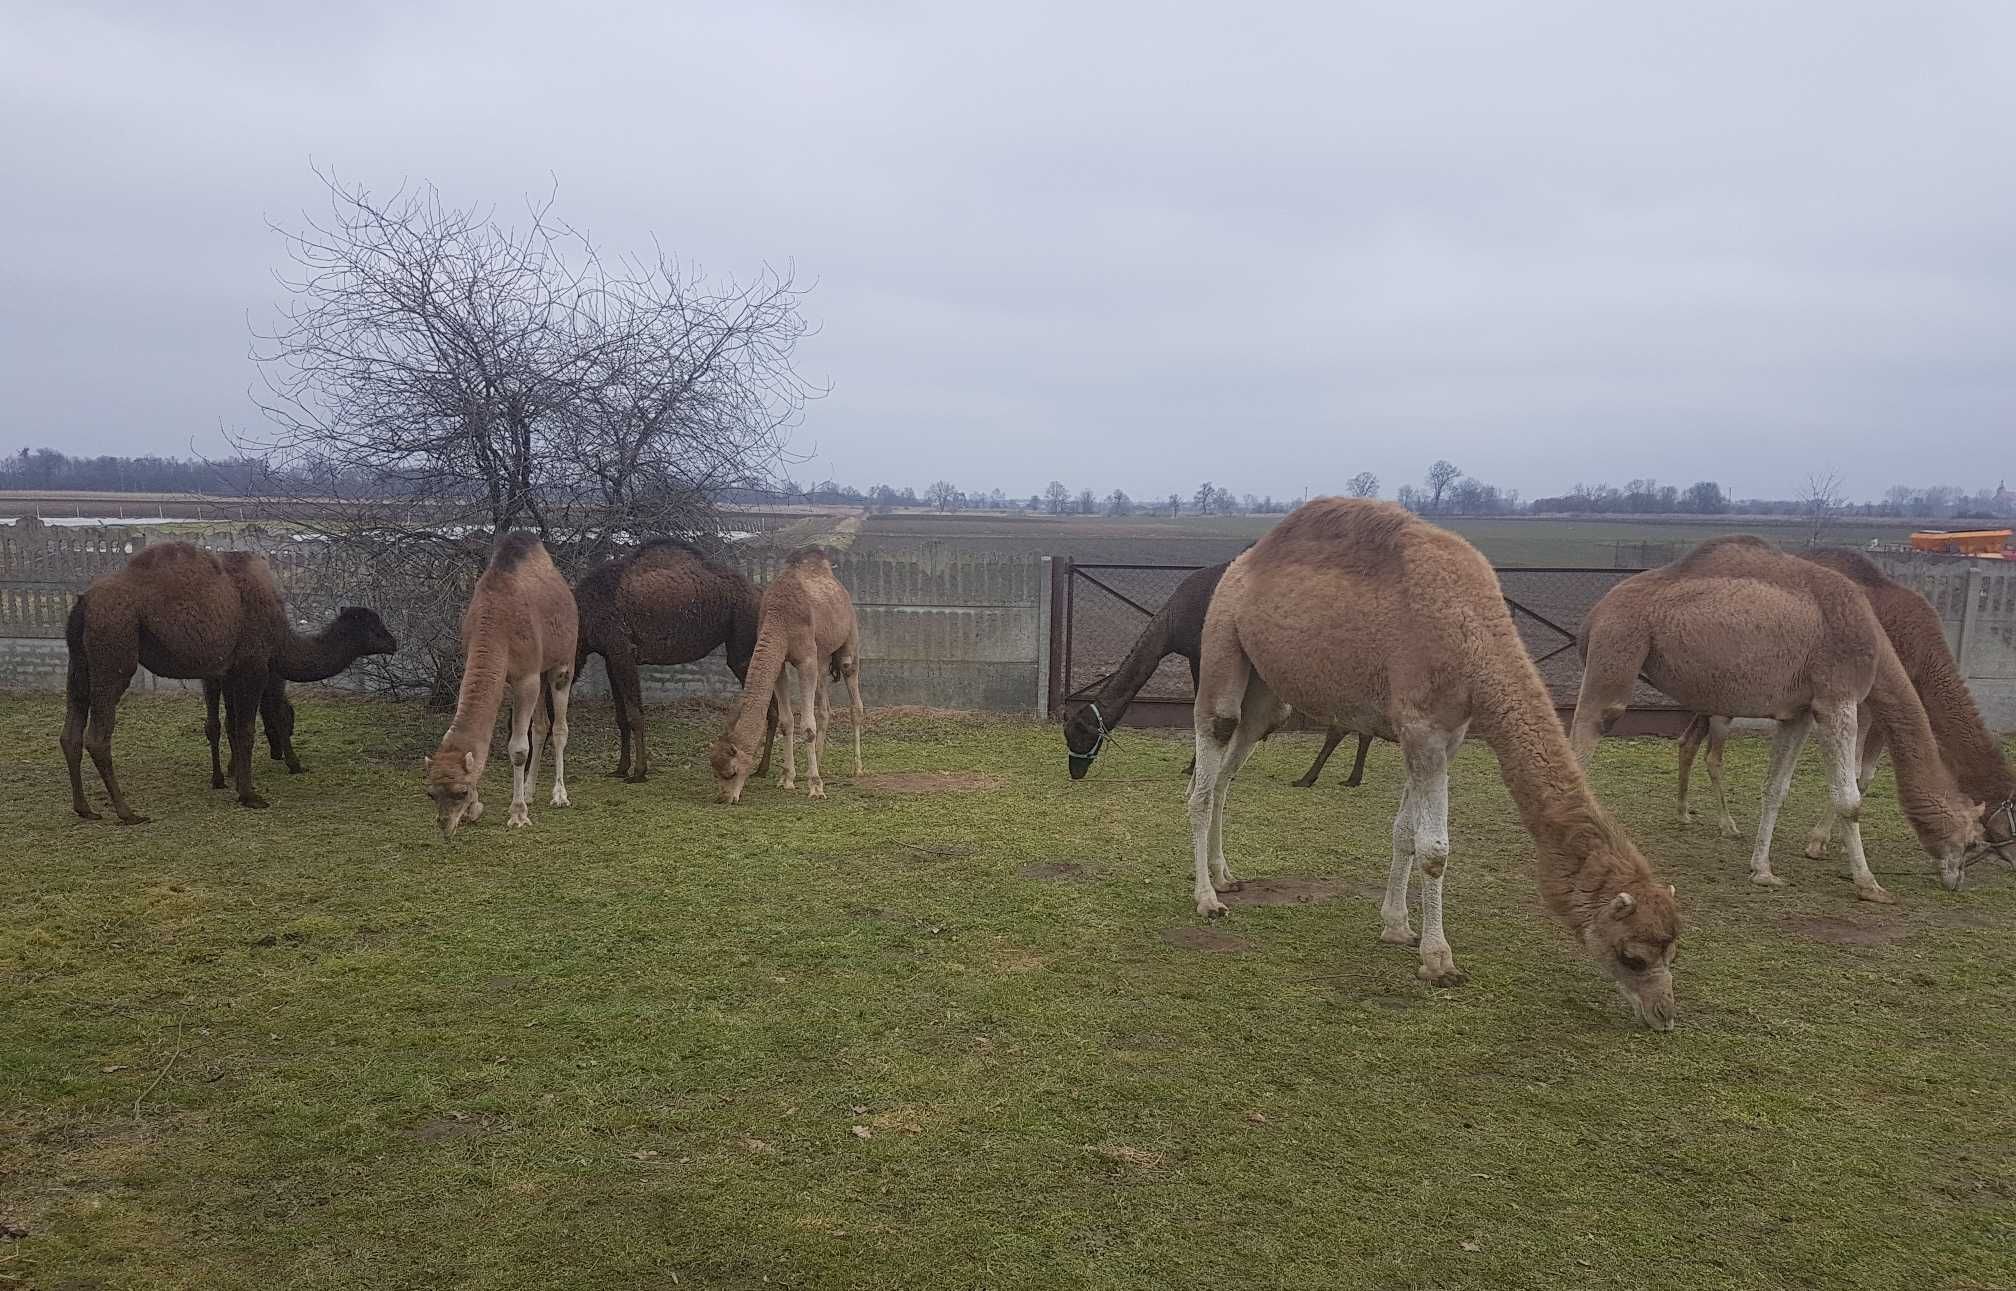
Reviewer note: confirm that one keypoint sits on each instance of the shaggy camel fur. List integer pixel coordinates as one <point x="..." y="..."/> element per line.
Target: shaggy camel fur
<point x="664" y="603"/>
<point x="517" y="635"/>
<point x="1177" y="628"/>
<point x="355" y="633"/>
<point x="1740" y="629"/>
<point x="1918" y="637"/>
<point x="808" y="622"/>
<point x="1360" y="613"/>
<point x="180" y="612"/>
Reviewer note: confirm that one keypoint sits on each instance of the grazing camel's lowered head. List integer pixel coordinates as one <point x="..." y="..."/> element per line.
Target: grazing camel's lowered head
<point x="1633" y="938"/>
<point x="732" y="768"/>
<point x="452" y="777"/>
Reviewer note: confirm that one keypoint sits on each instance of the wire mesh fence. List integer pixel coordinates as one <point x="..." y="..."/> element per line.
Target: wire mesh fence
<point x="1108" y="606"/>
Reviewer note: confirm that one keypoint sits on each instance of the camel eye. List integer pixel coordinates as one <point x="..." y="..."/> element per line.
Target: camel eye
<point x="1632" y="963"/>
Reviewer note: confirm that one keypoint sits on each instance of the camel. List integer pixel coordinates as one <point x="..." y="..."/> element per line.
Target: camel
<point x="1360" y="613"/>
<point x="664" y="603"/>
<point x="180" y="612"/>
<point x="808" y="622"/>
<point x="1915" y="633"/>
<point x="518" y="635"/>
<point x="1177" y="628"/>
<point x="356" y="632"/>
<point x="1738" y="628"/>
<point x="1715" y="729"/>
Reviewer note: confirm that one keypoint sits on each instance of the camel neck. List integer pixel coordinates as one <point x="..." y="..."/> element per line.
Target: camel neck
<point x="1925" y="787"/>
<point x="766" y="666"/>
<point x="476" y="705"/>
<point x="1963" y="738"/>
<point x="1584" y="858"/>
<point x="1117" y="695"/>
<point x="312" y="658"/>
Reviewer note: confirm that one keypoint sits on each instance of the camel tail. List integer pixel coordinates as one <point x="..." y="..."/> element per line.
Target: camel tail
<point x="77" y="681"/>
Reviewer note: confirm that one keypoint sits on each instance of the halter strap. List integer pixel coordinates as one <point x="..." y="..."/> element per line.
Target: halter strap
<point x="1103" y="735"/>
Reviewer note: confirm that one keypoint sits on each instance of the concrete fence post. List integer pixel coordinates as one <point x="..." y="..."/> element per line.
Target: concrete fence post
<point x="1043" y="630"/>
<point x="1970" y="616"/>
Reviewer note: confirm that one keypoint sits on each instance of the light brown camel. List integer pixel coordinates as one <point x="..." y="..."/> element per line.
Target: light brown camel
<point x="355" y="633"/>
<point x="1359" y="613"/>
<point x="1716" y="730"/>
<point x="517" y="635"/>
<point x="664" y="603"/>
<point x="180" y="612"/>
<point x="1918" y="637"/>
<point x="1738" y="628"/>
<point x="808" y="622"/>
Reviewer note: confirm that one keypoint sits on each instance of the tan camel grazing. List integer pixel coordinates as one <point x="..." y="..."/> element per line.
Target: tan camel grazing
<point x="663" y="603"/>
<point x="1360" y="614"/>
<point x="180" y="612"/>
<point x="517" y="636"/>
<point x="808" y="622"/>
<point x="1738" y="628"/>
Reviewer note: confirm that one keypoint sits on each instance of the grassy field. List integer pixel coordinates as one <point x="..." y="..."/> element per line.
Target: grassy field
<point x="952" y="1030"/>
<point x="1206" y="540"/>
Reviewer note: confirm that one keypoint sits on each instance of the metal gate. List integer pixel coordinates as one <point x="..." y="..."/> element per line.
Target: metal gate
<point x="1098" y="611"/>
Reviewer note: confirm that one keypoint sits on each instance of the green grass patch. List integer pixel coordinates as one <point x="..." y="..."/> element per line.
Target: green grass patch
<point x="935" y="1032"/>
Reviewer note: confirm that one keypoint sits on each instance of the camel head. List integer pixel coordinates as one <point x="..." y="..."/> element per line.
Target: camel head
<point x="1950" y="828"/>
<point x="732" y="768"/>
<point x="452" y="776"/>
<point x="1084" y="736"/>
<point x="1633" y="937"/>
<point x="364" y="630"/>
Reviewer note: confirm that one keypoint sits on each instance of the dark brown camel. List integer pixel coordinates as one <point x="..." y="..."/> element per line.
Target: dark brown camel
<point x="180" y="612"/>
<point x="664" y="603"/>
<point x="1177" y="628"/>
<point x="356" y="632"/>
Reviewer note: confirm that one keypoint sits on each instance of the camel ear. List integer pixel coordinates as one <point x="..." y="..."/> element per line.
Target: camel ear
<point x="1622" y="904"/>
<point x="423" y="761"/>
<point x="1672" y="891"/>
<point x="1981" y="811"/>
<point x="469" y="760"/>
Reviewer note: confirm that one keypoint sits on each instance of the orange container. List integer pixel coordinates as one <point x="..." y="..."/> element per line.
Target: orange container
<point x="1967" y="542"/>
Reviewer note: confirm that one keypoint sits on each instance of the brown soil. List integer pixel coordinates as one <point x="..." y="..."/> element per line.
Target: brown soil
<point x="1286" y="891"/>
<point x="1206" y="939"/>
<point x="927" y="782"/>
<point x="443" y="1128"/>
<point x="1839" y="930"/>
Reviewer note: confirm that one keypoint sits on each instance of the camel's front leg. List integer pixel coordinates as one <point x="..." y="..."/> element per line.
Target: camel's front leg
<point x="213" y="730"/>
<point x="788" y="777"/>
<point x="1822" y="833"/>
<point x="524" y="763"/>
<point x="854" y="702"/>
<point x="1428" y="766"/>
<point x="1330" y="743"/>
<point x="1718" y="735"/>
<point x="560" y="687"/>
<point x="1837" y="746"/>
<point x="1690" y="740"/>
<point x="808" y="693"/>
<point x="1784" y="758"/>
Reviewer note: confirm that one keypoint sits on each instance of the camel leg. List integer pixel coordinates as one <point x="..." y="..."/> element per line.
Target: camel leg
<point x="276" y="713"/>
<point x="769" y="738"/>
<point x="1784" y="758"/>
<point x="1838" y="737"/>
<point x="1394" y="928"/>
<point x="1718" y="735"/>
<point x="858" y="712"/>
<point x="1822" y="834"/>
<point x="808" y="691"/>
<point x="1611" y="657"/>
<point x="787" y="722"/>
<point x="1427" y="757"/>
<point x="1689" y="741"/>
<point x="1330" y="743"/>
<point x="561" y="689"/>
<point x="76" y="716"/>
<point x="1220" y="754"/>
<point x="213" y="730"/>
<point x="241" y="713"/>
<point x="524" y="769"/>
<point x="1357" y="776"/>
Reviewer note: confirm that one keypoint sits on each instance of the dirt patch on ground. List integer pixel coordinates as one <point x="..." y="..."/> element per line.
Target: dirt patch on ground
<point x="1056" y="872"/>
<point x="1206" y="939"/>
<point x="445" y="1128"/>
<point x="1839" y="930"/>
<point x="1287" y="891"/>
<point x="928" y="782"/>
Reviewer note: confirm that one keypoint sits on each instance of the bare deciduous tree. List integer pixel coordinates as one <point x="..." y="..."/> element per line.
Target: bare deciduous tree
<point x="1440" y="476"/>
<point x="436" y="372"/>
<point x="942" y="494"/>
<point x="1820" y="501"/>
<point x="1364" y="485"/>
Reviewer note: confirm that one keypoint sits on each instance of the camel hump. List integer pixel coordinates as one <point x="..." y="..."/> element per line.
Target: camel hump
<point x="1343" y="532"/>
<point x="165" y="558"/>
<point x="1852" y="565"/>
<point x="512" y="549"/>
<point x="1728" y="546"/>
<point x="808" y="556"/>
<point x="667" y="549"/>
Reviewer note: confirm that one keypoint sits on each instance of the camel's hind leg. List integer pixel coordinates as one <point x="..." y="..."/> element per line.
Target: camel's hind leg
<point x="1689" y="741"/>
<point x="1718" y="735"/>
<point x="1838" y="729"/>
<point x="559" y="688"/>
<point x="76" y="716"/>
<point x="524" y="754"/>
<point x="1784" y="758"/>
<point x="1357" y="776"/>
<point x="850" y="668"/>
<point x="1330" y="743"/>
<point x="241" y="715"/>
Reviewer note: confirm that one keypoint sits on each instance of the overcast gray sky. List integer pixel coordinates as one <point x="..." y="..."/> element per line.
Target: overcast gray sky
<point x="1138" y="246"/>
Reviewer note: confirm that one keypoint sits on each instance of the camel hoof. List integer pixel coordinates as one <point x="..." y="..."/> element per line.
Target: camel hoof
<point x="85" y="813"/>
<point x="1441" y="970"/>
<point x="1686" y="816"/>
<point x="638" y="778"/>
<point x="134" y="820"/>
<point x="1878" y="894"/>
<point x="560" y="798"/>
<point x="1816" y="851"/>
<point x="1402" y="936"/>
<point x="1306" y="782"/>
<point x="1768" y="881"/>
<point x="218" y="782"/>
<point x="620" y="773"/>
<point x="521" y="816"/>
<point x="295" y="768"/>
<point x="817" y="789"/>
<point x="1209" y="906"/>
<point x="255" y="803"/>
<point x="1230" y="884"/>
